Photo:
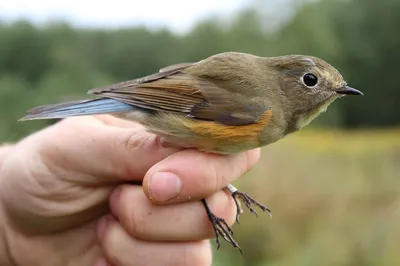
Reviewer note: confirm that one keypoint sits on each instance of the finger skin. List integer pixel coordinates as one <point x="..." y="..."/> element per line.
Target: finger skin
<point x="78" y="160"/>
<point x="4" y="150"/>
<point x="175" y="222"/>
<point x="201" y="174"/>
<point x="106" y="152"/>
<point x="121" y="249"/>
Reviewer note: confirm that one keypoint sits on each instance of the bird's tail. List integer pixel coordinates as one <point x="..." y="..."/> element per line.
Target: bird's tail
<point x="77" y="108"/>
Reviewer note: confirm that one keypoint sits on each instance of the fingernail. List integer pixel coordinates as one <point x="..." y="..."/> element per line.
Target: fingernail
<point x="164" y="186"/>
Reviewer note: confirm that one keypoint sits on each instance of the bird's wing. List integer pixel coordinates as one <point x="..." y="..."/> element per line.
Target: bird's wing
<point x="174" y="90"/>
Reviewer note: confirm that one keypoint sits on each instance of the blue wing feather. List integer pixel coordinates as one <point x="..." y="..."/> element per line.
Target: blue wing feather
<point x="78" y="108"/>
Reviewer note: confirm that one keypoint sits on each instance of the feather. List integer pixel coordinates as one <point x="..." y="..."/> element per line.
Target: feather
<point x="196" y="90"/>
<point x="78" y="108"/>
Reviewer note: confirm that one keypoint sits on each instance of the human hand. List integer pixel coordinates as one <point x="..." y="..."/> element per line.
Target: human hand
<point x="65" y="199"/>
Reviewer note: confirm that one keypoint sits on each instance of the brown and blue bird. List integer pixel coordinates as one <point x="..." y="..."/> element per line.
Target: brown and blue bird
<point x="227" y="103"/>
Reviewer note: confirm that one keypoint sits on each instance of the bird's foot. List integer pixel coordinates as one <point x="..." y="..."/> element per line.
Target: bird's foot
<point x="221" y="228"/>
<point x="248" y="201"/>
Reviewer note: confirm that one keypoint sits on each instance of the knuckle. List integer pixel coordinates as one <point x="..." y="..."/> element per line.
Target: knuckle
<point x="127" y="144"/>
<point x="129" y="141"/>
<point x="133" y="140"/>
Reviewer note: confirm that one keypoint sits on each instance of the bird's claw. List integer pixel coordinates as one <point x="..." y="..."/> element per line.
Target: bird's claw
<point x="248" y="202"/>
<point x="221" y="228"/>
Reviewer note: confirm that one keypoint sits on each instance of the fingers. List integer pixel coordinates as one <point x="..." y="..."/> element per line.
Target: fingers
<point x="121" y="249"/>
<point x="190" y="174"/>
<point x="112" y="151"/>
<point x="175" y="222"/>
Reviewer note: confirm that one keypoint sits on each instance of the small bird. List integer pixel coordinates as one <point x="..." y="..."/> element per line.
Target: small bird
<point x="227" y="103"/>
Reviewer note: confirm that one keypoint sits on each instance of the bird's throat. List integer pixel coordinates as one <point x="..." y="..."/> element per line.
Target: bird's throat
<point x="306" y="118"/>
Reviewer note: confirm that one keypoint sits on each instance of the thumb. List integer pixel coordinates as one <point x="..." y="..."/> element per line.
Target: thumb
<point x="103" y="150"/>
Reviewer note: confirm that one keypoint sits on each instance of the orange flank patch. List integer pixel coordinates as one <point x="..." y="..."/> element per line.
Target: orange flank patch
<point x="234" y="133"/>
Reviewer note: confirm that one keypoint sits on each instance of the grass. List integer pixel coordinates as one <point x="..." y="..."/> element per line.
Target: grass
<point x="335" y="197"/>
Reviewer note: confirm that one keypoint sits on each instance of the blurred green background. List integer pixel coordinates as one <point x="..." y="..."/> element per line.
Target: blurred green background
<point x="334" y="188"/>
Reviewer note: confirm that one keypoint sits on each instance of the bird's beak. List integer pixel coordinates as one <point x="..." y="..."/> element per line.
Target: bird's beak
<point x="349" y="91"/>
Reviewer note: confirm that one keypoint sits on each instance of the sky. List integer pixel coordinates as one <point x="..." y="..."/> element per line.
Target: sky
<point x="178" y="15"/>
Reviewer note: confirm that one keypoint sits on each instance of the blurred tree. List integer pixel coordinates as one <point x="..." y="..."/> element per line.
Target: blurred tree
<point x="359" y="37"/>
<point x="370" y="56"/>
<point x="24" y="51"/>
<point x="15" y="95"/>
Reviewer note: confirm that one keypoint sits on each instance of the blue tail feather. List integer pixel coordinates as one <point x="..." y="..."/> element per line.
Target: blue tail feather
<point x="78" y="108"/>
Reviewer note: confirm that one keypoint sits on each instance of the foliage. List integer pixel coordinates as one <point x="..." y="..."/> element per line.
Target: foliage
<point x="40" y="65"/>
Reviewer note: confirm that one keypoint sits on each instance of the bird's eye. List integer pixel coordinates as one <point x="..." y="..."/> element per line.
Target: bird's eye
<point x="310" y="80"/>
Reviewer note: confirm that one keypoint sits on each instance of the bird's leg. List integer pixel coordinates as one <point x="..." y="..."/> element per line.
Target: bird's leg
<point x="221" y="228"/>
<point x="247" y="200"/>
